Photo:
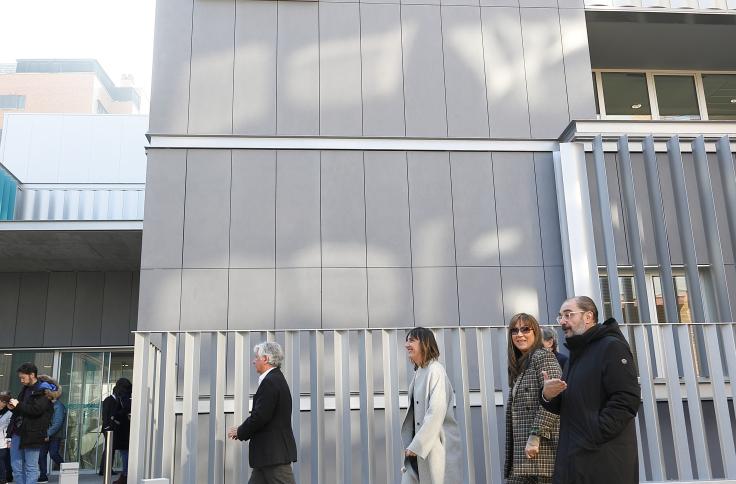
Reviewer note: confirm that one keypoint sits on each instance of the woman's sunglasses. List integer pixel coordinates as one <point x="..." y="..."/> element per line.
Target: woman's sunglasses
<point x="522" y="330"/>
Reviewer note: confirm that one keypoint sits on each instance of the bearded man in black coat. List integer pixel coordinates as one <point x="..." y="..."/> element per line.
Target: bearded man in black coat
<point x="597" y="399"/>
<point x="272" y="446"/>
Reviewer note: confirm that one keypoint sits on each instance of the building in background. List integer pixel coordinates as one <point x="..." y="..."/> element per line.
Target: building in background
<point x="64" y="86"/>
<point x="71" y="211"/>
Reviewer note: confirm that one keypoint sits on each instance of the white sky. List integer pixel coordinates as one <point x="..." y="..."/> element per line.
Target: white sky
<point x="118" y="33"/>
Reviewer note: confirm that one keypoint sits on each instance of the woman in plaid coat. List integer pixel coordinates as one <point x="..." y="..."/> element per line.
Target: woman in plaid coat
<point x="531" y="431"/>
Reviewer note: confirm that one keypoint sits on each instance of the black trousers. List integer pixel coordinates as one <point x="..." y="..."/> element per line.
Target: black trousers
<point x="279" y="474"/>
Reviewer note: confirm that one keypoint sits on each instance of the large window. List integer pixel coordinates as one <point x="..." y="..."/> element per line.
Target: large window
<point x="665" y="95"/>
<point x="720" y="95"/>
<point x="12" y="101"/>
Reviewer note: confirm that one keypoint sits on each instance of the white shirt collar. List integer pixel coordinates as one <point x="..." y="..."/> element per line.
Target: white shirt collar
<point x="263" y="375"/>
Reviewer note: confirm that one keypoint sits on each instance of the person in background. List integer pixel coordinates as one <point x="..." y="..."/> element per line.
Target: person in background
<point x="549" y="340"/>
<point x="29" y="425"/>
<point x="5" y="415"/>
<point x="531" y="431"/>
<point x="111" y="406"/>
<point x="121" y="425"/>
<point x="56" y="430"/>
<point x="429" y="432"/>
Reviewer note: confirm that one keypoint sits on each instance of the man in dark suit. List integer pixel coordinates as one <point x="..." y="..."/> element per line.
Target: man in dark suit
<point x="272" y="446"/>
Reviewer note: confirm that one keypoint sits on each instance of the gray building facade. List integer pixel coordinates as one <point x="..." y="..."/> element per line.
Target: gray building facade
<point x="327" y="174"/>
<point x="309" y="238"/>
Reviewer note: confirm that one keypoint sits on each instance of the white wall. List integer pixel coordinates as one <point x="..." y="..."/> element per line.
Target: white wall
<point x="73" y="148"/>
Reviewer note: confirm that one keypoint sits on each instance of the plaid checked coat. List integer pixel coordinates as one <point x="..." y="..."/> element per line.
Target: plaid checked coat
<point x="523" y="413"/>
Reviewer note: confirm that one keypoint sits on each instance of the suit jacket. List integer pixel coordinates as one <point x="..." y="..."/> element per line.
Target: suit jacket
<point x="269" y="426"/>
<point x="524" y="413"/>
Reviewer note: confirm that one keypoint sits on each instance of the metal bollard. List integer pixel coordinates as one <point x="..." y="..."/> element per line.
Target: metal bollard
<point x="108" y="457"/>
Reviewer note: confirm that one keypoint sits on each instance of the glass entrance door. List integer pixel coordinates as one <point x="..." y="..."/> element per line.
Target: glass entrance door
<point x="87" y="378"/>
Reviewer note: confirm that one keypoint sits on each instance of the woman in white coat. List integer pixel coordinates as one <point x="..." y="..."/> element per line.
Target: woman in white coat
<point x="430" y="434"/>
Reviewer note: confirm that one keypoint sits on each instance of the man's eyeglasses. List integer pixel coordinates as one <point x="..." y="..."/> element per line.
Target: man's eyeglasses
<point x="522" y="330"/>
<point x="566" y="316"/>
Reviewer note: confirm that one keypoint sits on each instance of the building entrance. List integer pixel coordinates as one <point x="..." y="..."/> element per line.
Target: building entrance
<point x="86" y="378"/>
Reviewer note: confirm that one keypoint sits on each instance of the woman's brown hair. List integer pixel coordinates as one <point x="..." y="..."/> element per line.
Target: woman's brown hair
<point x="518" y="361"/>
<point x="427" y="344"/>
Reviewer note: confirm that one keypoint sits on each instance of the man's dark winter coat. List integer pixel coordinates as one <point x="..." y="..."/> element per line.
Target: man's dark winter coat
<point x="32" y="417"/>
<point x="269" y="426"/>
<point x="597" y="434"/>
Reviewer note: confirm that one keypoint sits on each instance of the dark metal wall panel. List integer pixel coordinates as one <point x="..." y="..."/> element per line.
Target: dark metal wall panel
<point x="116" y="308"/>
<point x="9" y="293"/>
<point x="88" y="309"/>
<point x="60" y="309"/>
<point x="32" y="309"/>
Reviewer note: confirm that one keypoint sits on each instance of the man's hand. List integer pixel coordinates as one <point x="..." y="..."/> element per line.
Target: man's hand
<point x="12" y="403"/>
<point x="532" y="447"/>
<point x="46" y="439"/>
<point x="233" y="433"/>
<point x="552" y="386"/>
<point x="409" y="453"/>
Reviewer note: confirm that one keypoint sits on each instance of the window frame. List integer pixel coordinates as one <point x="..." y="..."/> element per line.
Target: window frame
<point x="651" y="88"/>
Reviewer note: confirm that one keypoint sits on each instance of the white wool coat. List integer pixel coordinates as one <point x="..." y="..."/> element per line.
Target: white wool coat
<point x="437" y="439"/>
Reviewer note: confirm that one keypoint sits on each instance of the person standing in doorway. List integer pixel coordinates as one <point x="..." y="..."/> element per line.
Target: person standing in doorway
<point x="116" y="417"/>
<point x="32" y="412"/>
<point x="56" y="430"/>
<point x="597" y="398"/>
<point x="268" y="428"/>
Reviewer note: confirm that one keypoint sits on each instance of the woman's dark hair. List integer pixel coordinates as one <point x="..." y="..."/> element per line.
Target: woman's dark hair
<point x="518" y="361"/>
<point x="427" y="344"/>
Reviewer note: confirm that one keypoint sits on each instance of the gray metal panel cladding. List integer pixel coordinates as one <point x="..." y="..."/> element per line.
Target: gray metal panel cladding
<point x="31" y="308"/>
<point x="211" y="82"/>
<point x="208" y="185"/>
<point x="254" y="72"/>
<point x="253" y="209"/>
<point x="340" y="82"/>
<point x="171" y="67"/>
<point x="164" y="225"/>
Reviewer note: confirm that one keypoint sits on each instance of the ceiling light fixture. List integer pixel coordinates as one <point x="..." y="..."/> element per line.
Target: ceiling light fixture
<point x="636" y="106"/>
<point x="733" y="101"/>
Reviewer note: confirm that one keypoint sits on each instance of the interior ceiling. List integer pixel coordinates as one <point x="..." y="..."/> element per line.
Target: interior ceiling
<point x="74" y="250"/>
<point x="667" y="41"/>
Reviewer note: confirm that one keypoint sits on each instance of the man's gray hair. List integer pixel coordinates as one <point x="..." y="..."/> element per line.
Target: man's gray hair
<point x="272" y="350"/>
